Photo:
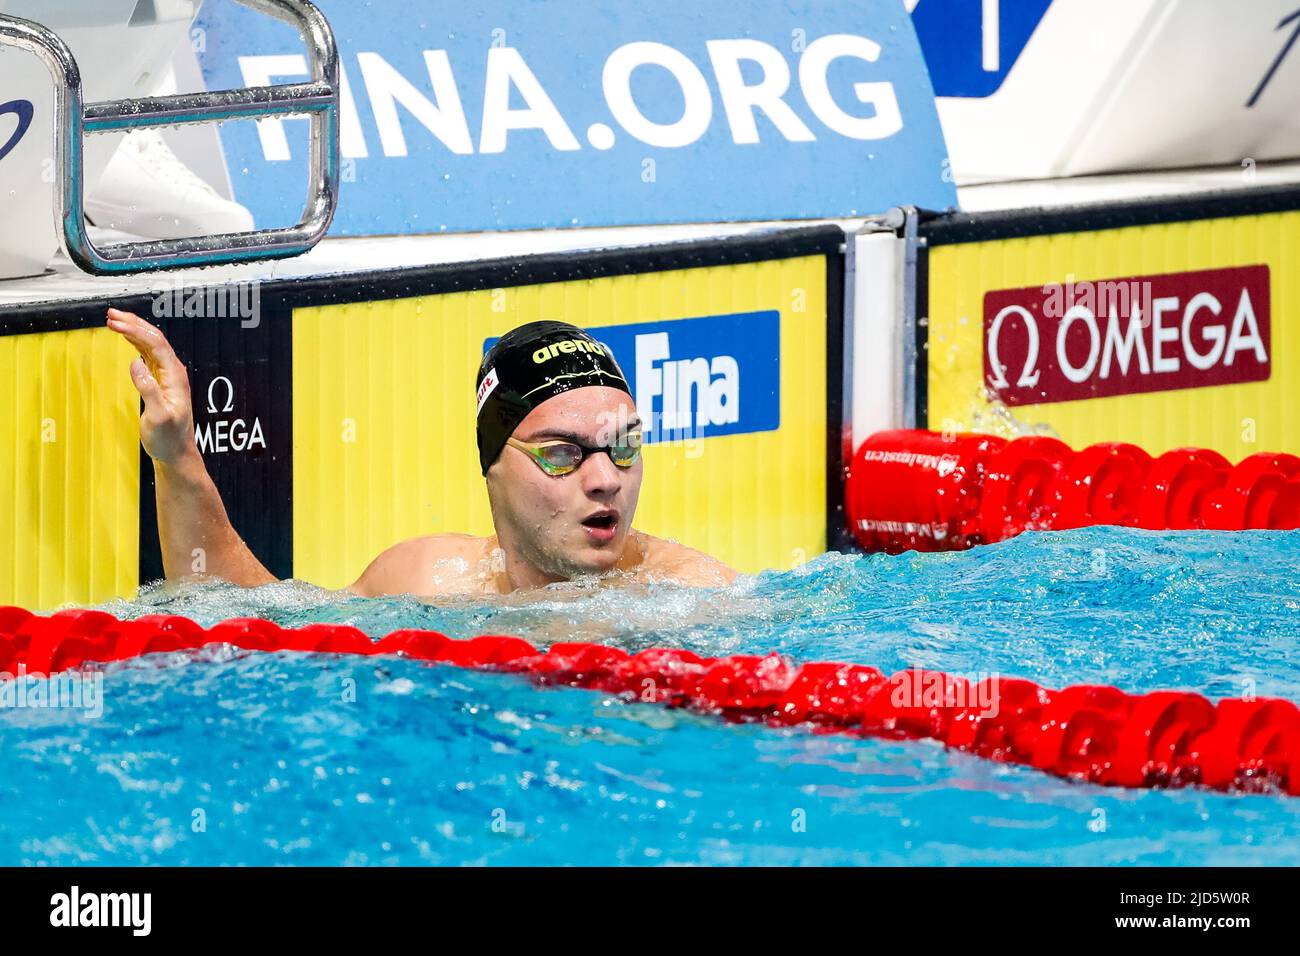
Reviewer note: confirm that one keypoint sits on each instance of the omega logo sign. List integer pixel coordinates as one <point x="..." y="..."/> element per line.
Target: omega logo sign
<point x="226" y="434"/>
<point x="1079" y="340"/>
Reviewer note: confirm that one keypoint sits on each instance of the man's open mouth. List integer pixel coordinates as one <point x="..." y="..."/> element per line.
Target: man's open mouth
<point x="601" y="520"/>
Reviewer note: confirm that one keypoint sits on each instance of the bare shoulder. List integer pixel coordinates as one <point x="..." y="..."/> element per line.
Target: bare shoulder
<point x="670" y="560"/>
<point x="407" y="567"/>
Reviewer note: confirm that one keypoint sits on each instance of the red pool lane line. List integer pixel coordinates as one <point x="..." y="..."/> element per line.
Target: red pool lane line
<point x="1094" y="733"/>
<point x="912" y="489"/>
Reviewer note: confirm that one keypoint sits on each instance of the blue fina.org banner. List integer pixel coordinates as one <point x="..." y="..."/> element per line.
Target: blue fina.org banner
<point x="699" y="377"/>
<point x="513" y="114"/>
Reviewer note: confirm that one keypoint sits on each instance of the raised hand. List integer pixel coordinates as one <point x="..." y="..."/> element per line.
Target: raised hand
<point x="167" y="423"/>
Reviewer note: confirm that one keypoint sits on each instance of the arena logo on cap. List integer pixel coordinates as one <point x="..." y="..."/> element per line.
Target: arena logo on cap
<point x="568" y="347"/>
<point x="1098" y="338"/>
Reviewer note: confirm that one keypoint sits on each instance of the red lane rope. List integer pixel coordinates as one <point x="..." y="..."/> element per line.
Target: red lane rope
<point x="1094" y="733"/>
<point x="911" y="489"/>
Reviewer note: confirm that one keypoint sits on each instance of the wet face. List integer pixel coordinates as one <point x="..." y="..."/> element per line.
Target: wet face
<point x="577" y="523"/>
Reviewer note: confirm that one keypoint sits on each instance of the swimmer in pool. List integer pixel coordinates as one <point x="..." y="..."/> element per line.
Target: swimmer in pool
<point x="559" y="446"/>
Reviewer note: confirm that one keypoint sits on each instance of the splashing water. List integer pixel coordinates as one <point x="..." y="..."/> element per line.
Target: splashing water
<point x="229" y="757"/>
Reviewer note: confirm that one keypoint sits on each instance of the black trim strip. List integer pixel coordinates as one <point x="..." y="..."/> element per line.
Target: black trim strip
<point x="838" y="537"/>
<point x="955" y="227"/>
<point x="922" y="328"/>
<point x="913" y="353"/>
<point x="385" y="284"/>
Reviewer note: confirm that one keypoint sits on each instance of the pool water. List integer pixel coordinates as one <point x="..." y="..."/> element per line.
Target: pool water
<point x="244" y="758"/>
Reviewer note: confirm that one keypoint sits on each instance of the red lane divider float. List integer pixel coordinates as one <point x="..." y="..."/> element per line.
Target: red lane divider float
<point x="926" y="491"/>
<point x="1093" y="733"/>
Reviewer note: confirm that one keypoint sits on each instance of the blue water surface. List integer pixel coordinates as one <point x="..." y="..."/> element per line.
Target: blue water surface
<point x="244" y="758"/>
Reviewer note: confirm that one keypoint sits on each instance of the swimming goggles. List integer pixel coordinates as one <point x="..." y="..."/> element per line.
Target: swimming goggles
<point x="562" y="456"/>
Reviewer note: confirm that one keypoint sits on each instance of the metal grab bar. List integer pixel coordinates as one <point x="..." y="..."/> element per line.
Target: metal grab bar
<point x="318" y="100"/>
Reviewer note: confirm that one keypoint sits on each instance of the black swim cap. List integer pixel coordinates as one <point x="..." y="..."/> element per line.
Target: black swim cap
<point x="530" y="364"/>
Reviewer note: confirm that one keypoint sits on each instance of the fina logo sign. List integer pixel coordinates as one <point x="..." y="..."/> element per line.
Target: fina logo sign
<point x="509" y="115"/>
<point x="700" y="377"/>
<point x="22" y="110"/>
